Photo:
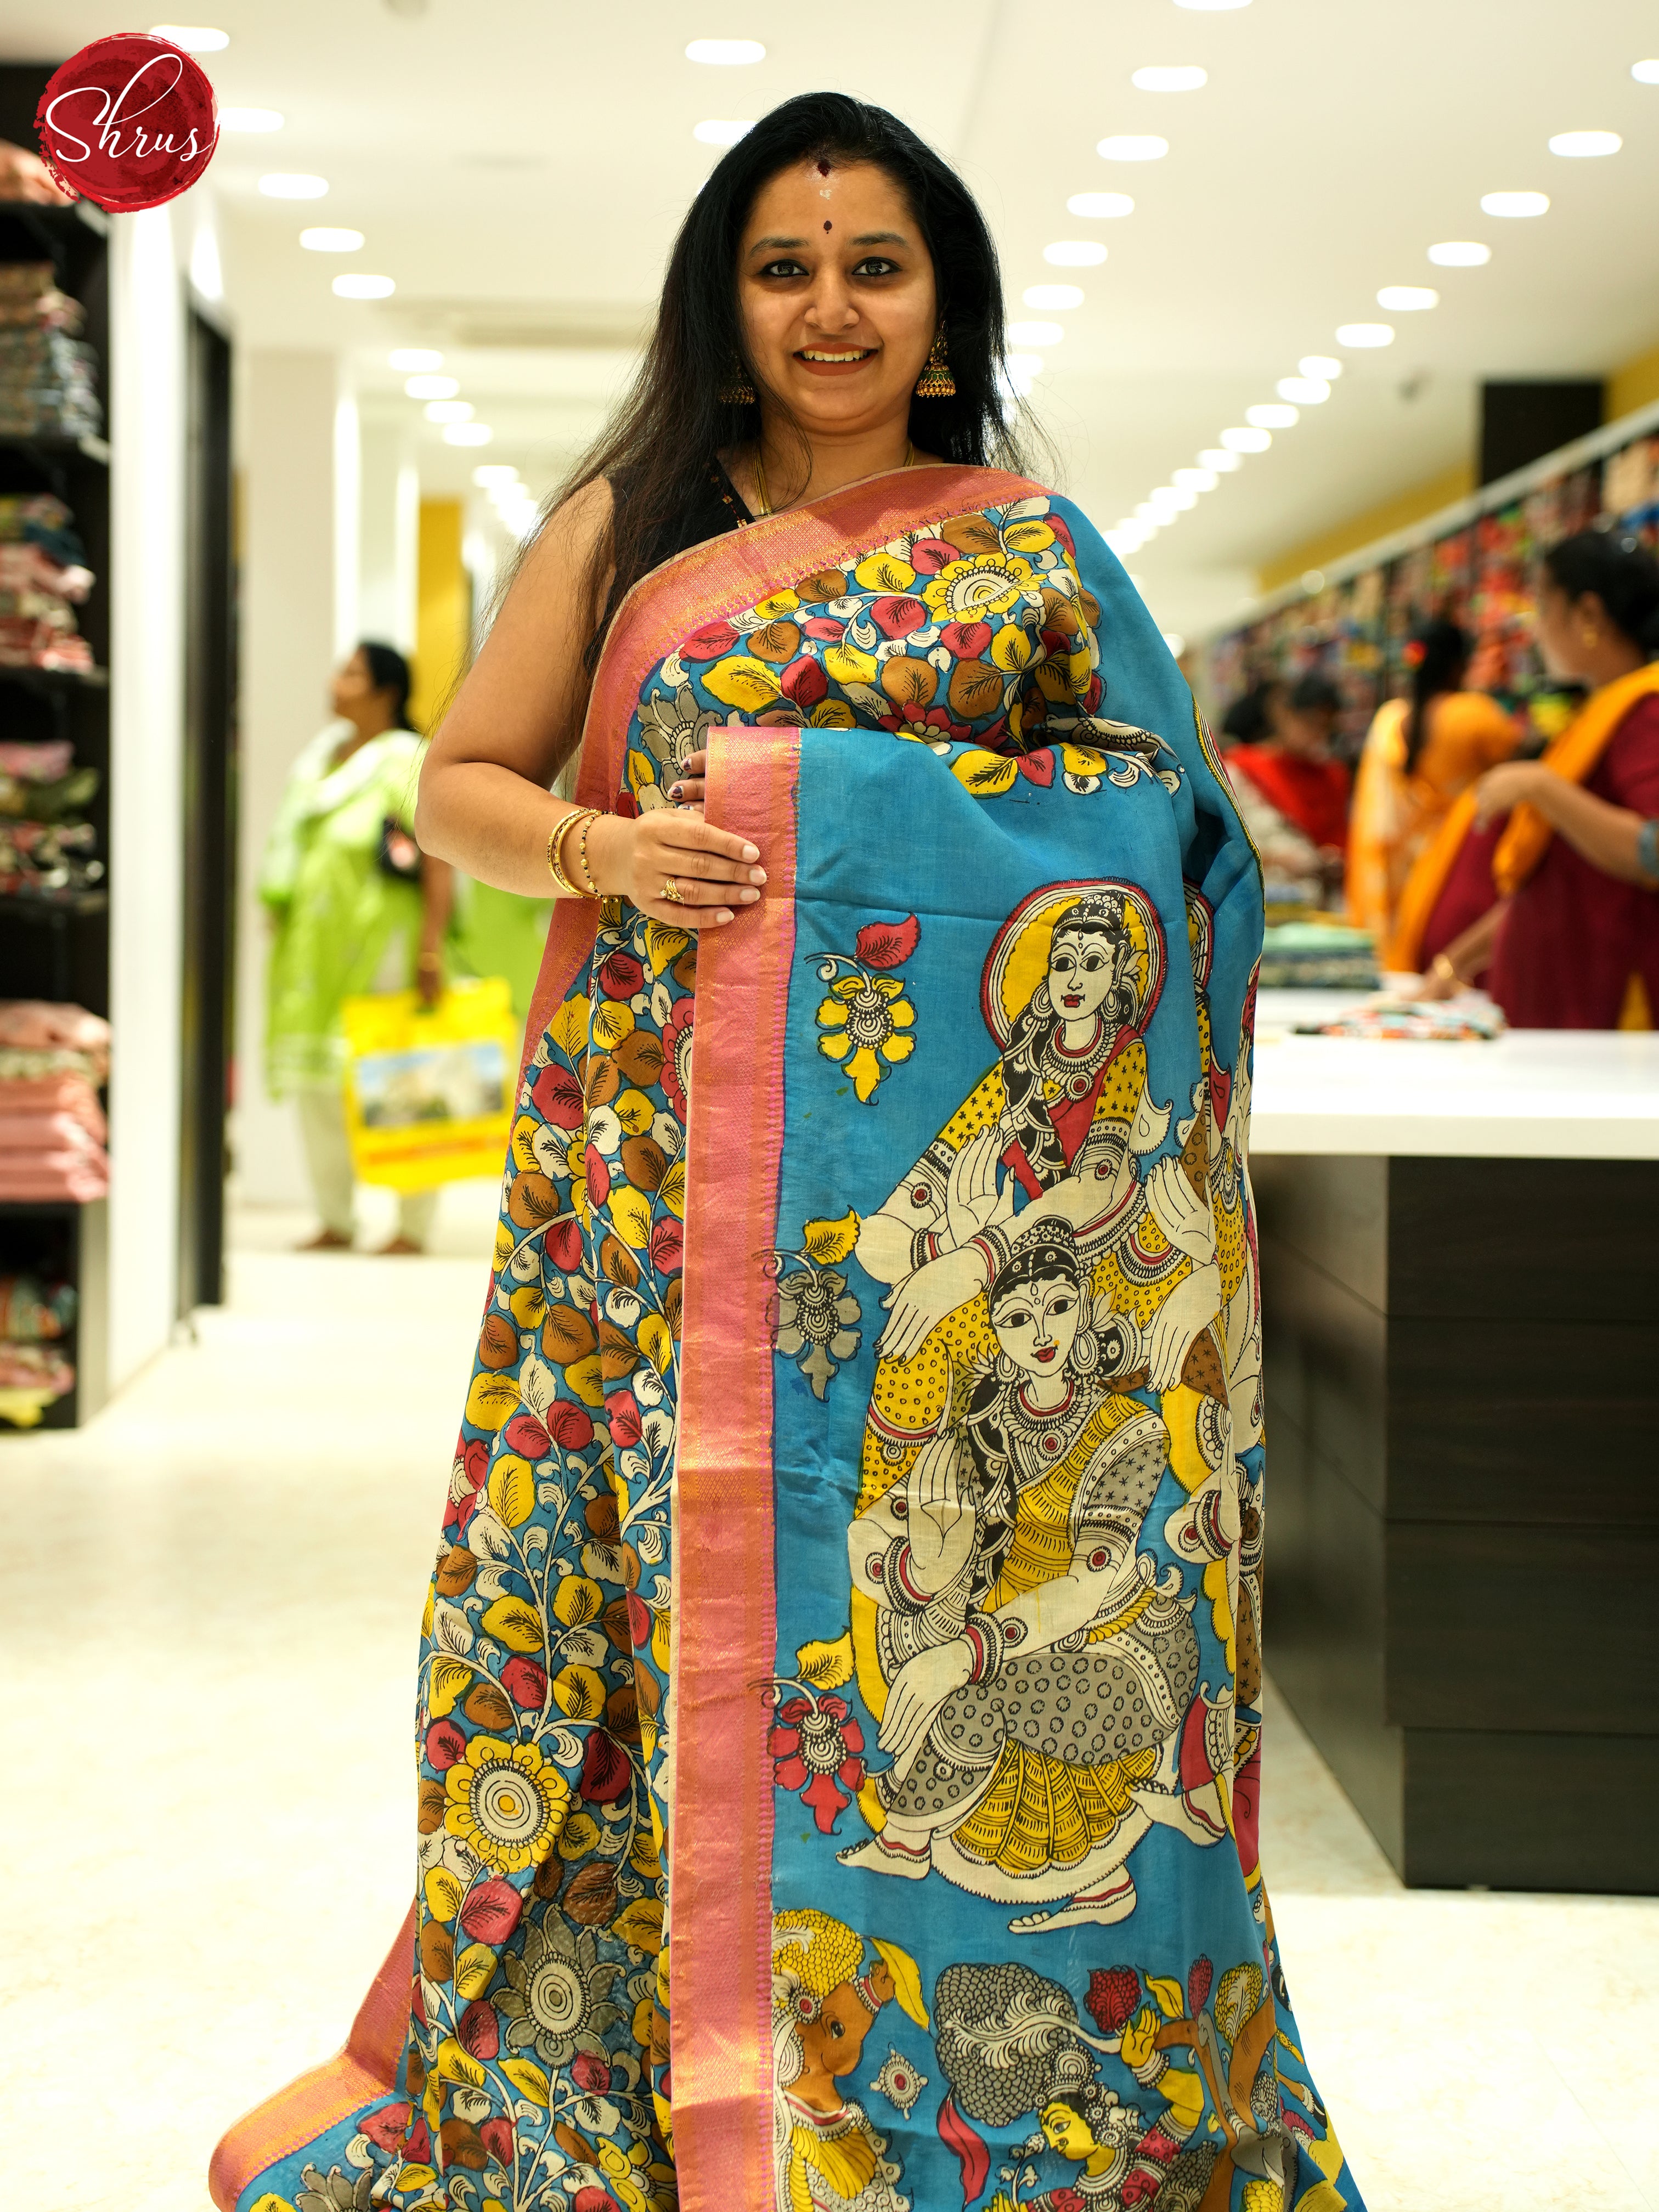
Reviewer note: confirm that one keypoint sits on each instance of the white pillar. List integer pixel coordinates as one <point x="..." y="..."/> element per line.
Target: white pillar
<point x="289" y="439"/>
<point x="147" y="657"/>
<point x="388" y="546"/>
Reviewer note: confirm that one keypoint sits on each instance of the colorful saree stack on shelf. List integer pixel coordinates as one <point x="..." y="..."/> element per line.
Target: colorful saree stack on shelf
<point x="839" y="1710"/>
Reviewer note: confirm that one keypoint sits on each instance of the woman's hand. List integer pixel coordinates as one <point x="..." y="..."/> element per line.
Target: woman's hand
<point x="919" y="1688"/>
<point x="941" y="1526"/>
<point x="713" y="870"/>
<point x="1503" y="789"/>
<point x="692" y="784"/>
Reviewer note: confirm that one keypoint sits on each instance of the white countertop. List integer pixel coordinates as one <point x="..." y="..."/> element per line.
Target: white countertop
<point x="1530" y="1094"/>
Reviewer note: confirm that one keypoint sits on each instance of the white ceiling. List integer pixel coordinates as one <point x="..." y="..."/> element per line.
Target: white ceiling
<point x="520" y="169"/>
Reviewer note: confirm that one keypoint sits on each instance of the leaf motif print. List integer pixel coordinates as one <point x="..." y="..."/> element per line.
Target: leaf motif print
<point x="739" y="681"/>
<point x="827" y="1242"/>
<point x="826" y="1665"/>
<point x="974" y="690"/>
<point x="492" y="1399"/>
<point x="887" y="944"/>
<point x="986" y="775"/>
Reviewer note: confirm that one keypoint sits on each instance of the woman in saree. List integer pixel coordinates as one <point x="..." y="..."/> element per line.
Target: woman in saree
<point x="1421" y="754"/>
<point x="1523" y="891"/>
<point x="860" y="705"/>
<point x="1292" y="795"/>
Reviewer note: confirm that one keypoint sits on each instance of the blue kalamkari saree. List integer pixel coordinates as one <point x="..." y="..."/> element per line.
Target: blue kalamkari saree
<point x="839" y="1703"/>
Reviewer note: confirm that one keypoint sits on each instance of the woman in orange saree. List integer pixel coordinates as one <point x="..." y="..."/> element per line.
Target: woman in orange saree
<point x="1421" y="754"/>
<point x="840" y="1678"/>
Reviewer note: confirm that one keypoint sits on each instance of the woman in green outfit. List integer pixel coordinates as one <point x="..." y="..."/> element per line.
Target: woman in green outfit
<point x="354" y="907"/>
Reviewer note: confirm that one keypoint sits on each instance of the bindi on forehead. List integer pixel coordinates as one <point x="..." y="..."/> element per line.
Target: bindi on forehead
<point x="824" y="168"/>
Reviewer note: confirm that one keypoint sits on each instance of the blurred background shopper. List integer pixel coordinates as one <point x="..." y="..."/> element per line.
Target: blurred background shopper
<point x="1421" y="754"/>
<point x="354" y="907"/>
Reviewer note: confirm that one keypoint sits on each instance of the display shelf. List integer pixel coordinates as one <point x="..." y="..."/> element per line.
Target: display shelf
<point x="60" y="1241"/>
<point x="57" y="947"/>
<point x="48" y="681"/>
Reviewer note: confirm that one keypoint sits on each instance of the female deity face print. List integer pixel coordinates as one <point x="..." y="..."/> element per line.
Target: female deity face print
<point x="1085" y="963"/>
<point x="1036" y="1323"/>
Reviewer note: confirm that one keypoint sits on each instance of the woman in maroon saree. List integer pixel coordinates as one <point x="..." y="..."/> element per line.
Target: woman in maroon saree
<point x="1531" y="890"/>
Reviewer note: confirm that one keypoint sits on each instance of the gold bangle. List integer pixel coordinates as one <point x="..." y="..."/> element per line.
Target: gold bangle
<point x="555" y="837"/>
<point x="1442" y="969"/>
<point x="581" y="854"/>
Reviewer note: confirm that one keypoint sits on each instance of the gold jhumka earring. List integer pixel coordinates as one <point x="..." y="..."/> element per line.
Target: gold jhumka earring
<point x="736" y="391"/>
<point x="936" y="381"/>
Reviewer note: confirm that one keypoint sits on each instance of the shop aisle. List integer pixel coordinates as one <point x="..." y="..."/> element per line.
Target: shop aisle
<point x="210" y="1599"/>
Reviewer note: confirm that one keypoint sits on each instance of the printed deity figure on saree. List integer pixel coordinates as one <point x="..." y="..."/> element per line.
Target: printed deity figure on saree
<point x="839" y="1710"/>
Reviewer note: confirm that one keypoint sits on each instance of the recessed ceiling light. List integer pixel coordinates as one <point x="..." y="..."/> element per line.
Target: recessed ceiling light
<point x="1275" y="415"/>
<point x="1361" y="335"/>
<point x="1178" y="78"/>
<point x="1585" y="145"/>
<point x="283" y="184"/>
<point x="1514" y="204"/>
<point x="1025" y="364"/>
<point x="1407" y="299"/>
<point x="363" y="288"/>
<point x="1125" y="539"/>
<point x="250" y="119"/>
<point x="1312" y="581"/>
<point x="1246" y="441"/>
<point x="321" y="240"/>
<point x="414" y="357"/>
<point x="1305" y="391"/>
<point x="1179" y="498"/>
<point x="717" y="133"/>
<point x="1132" y="149"/>
<point x="431" y="387"/>
<point x="1148" y="515"/>
<point x="1053" y="295"/>
<point x="1460" y="254"/>
<point x="1219" y="458"/>
<point x="1100" y="205"/>
<point x="1323" y="366"/>
<point x="1194" y="479"/>
<point x="1173" y="640"/>
<point x="194" y="38"/>
<point x="1074" y="253"/>
<point x="726" y="53"/>
<point x="1036" y="334"/>
<point x="449" y="410"/>
<point x="1645" y="72"/>
<point x="496" y="472"/>
<point x="467" y="434"/>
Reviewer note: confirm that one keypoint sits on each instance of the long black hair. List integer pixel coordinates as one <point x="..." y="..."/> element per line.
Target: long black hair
<point x="389" y="671"/>
<point x="1620" y="571"/>
<point x="657" y="448"/>
<point x="1438" y="652"/>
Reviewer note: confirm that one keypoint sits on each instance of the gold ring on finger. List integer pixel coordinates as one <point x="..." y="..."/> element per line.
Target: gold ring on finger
<point x="671" y="892"/>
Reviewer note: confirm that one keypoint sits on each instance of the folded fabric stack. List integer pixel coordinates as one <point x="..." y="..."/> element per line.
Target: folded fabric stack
<point x="53" y="1131"/>
<point x="1470" y="1019"/>
<point x="1317" y="956"/>
<point x="43" y="579"/>
<point x="34" y="1368"/>
<point x="48" y="379"/>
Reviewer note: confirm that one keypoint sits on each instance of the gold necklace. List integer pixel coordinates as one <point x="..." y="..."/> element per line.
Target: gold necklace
<point x="760" y="475"/>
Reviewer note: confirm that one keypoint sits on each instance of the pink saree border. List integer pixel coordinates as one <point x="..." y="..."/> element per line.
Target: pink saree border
<point x="725" y="1632"/>
<point x="321" y="2099"/>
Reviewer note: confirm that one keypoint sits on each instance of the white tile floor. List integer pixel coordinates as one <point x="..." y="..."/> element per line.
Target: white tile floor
<point x="208" y="1610"/>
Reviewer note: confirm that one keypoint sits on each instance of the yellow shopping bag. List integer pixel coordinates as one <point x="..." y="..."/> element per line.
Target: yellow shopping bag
<point x="429" y="1092"/>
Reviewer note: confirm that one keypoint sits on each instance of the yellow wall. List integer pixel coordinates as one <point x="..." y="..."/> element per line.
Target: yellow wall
<point x="1396" y="513"/>
<point x="1634" y="385"/>
<point x="443" y="609"/>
